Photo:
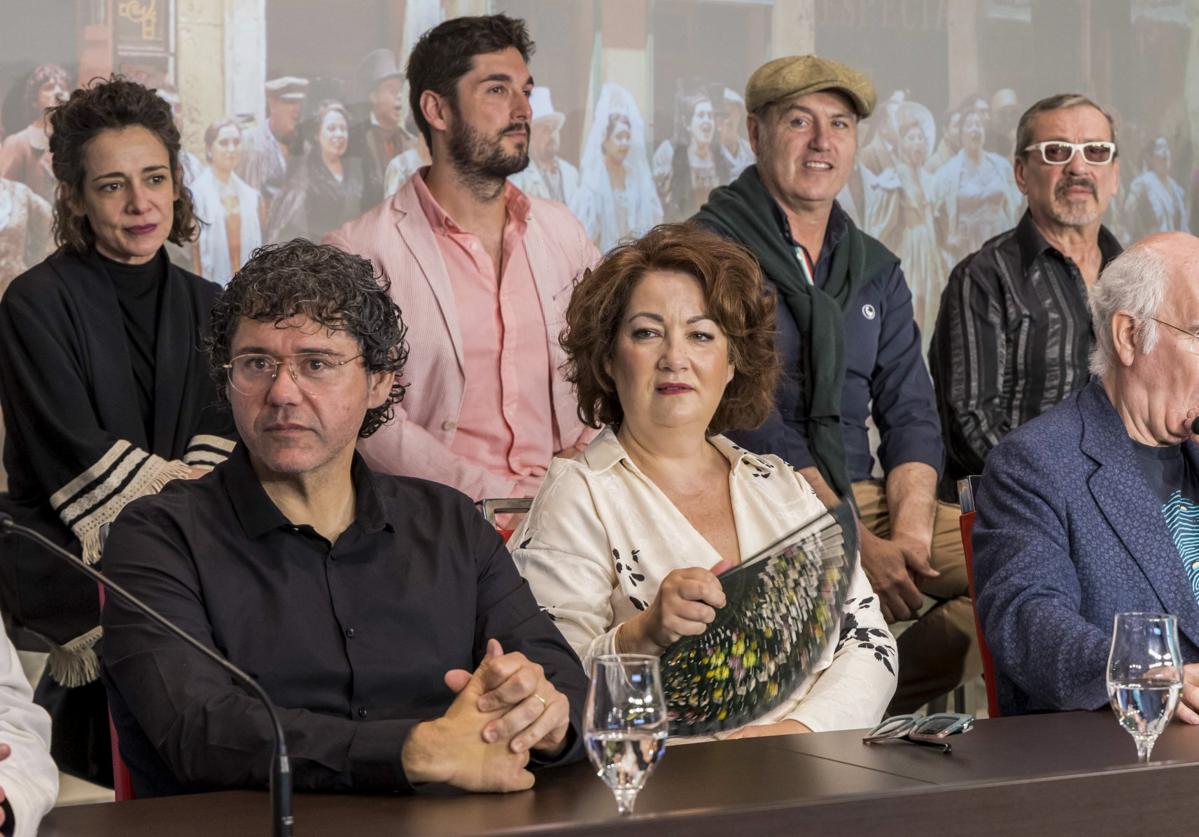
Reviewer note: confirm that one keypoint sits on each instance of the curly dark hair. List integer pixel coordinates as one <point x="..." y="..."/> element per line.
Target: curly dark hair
<point x="734" y="295"/>
<point x="114" y="103"/>
<point x="33" y="86"/>
<point x="447" y="52"/>
<point x="329" y="286"/>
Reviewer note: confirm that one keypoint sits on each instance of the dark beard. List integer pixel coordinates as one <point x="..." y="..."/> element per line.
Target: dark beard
<point x="480" y="161"/>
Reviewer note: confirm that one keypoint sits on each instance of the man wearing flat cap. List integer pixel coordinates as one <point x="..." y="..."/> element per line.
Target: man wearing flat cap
<point x="266" y="148"/>
<point x="547" y="176"/>
<point x="850" y="351"/>
<point x="381" y="137"/>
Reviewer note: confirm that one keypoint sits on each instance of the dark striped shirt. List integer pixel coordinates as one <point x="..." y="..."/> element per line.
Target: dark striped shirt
<point x="1012" y="339"/>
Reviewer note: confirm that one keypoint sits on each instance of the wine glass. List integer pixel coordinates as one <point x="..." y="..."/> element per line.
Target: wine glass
<point x="1144" y="675"/>
<point x="624" y="723"/>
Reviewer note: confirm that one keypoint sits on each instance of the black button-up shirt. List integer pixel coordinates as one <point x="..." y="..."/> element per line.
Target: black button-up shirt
<point x="1013" y="338"/>
<point x="885" y="375"/>
<point x="351" y="639"/>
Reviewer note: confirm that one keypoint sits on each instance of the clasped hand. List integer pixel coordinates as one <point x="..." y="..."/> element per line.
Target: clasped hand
<point x="503" y="710"/>
<point x="894" y="567"/>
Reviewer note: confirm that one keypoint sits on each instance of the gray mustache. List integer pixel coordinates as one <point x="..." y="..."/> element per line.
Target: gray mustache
<point x="1071" y="182"/>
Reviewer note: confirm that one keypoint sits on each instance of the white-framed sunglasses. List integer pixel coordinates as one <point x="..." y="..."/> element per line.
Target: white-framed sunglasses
<point x="1060" y="152"/>
<point x="927" y="731"/>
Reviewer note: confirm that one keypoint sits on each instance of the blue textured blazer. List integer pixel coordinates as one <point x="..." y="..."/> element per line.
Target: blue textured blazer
<point x="1069" y="534"/>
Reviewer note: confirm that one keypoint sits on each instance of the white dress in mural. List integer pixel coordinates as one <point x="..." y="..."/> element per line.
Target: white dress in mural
<point x="610" y="211"/>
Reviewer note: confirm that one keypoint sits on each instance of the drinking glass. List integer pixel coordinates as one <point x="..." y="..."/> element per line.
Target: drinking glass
<point x="1144" y="675"/>
<point x="624" y="723"/>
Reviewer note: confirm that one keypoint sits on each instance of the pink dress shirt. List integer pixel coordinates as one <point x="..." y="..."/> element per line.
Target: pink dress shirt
<point x="506" y="409"/>
<point x="420" y="441"/>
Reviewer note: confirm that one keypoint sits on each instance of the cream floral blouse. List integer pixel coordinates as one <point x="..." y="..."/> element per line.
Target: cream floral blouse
<point x="601" y="537"/>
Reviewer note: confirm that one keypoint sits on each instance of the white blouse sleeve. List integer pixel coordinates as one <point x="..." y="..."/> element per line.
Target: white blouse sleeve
<point x="562" y="550"/>
<point x="28" y="776"/>
<point x="853" y="692"/>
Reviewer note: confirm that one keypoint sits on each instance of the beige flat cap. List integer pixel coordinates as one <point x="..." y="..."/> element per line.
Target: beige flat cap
<point x="796" y="75"/>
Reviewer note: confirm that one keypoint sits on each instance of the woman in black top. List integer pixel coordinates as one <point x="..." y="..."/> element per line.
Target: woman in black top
<point x="325" y="189"/>
<point x="106" y="396"/>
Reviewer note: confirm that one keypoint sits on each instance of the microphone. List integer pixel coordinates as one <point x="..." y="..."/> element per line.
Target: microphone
<point x="280" y="780"/>
<point x="1195" y="426"/>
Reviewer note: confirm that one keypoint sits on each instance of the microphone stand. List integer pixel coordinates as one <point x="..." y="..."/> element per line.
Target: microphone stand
<point x="280" y="777"/>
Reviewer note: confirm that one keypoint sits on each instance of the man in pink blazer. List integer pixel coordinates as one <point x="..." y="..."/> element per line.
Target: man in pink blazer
<point x="482" y="273"/>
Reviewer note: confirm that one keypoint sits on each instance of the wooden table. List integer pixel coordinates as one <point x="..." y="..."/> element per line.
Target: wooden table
<point x="1063" y="774"/>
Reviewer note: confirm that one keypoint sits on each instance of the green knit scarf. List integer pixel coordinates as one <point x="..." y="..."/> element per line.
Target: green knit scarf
<point x="742" y="211"/>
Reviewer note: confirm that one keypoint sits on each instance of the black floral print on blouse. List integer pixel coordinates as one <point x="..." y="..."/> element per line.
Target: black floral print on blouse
<point x="871" y="639"/>
<point x="758" y="467"/>
<point x="627" y="568"/>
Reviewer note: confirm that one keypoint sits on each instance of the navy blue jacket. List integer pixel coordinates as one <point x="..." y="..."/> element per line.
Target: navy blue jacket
<point x="885" y="376"/>
<point x="1069" y="534"/>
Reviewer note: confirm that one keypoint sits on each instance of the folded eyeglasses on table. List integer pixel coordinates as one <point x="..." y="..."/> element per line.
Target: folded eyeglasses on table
<point x="925" y="730"/>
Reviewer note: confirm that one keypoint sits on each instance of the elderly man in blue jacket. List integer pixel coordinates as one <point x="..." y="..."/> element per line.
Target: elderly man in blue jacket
<point x="1092" y="509"/>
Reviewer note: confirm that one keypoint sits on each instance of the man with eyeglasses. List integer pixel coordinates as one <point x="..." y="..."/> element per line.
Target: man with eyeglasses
<point x="1013" y="334"/>
<point x="383" y="615"/>
<point x="1092" y="509"/>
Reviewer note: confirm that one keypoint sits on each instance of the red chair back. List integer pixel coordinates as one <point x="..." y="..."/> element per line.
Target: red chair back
<point x="122" y="779"/>
<point x="966" y="522"/>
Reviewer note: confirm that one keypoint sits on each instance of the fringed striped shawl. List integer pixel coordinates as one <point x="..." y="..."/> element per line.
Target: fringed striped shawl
<point x="77" y="449"/>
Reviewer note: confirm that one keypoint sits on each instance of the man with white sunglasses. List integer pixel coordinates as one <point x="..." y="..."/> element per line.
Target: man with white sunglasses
<point x="1013" y="334"/>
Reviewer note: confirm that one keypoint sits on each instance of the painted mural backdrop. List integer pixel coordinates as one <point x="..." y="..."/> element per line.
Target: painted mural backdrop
<point x="295" y="114"/>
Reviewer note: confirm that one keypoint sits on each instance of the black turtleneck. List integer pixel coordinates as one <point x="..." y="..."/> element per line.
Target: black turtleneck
<point x="138" y="288"/>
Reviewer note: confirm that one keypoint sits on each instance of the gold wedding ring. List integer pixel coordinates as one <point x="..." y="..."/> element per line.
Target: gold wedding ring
<point x="544" y="703"/>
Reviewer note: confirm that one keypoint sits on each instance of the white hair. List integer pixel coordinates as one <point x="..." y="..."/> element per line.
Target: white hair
<point x="1135" y="283"/>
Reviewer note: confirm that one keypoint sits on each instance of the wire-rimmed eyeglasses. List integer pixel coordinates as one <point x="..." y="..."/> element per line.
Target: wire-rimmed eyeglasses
<point x="1192" y="344"/>
<point x="253" y="374"/>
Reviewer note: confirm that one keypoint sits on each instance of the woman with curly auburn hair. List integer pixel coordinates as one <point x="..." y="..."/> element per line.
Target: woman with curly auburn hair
<point x="106" y="394"/>
<point x="669" y="342"/>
